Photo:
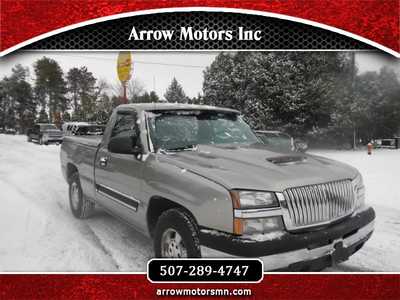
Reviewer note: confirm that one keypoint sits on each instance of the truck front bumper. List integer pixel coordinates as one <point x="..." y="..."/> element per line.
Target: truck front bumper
<point x="52" y="139"/>
<point x="303" y="251"/>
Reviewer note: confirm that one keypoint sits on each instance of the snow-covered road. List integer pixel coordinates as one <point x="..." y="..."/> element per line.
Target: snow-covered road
<point x="38" y="232"/>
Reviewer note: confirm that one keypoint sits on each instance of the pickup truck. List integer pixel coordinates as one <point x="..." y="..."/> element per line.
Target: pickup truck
<point x="44" y="134"/>
<point x="198" y="181"/>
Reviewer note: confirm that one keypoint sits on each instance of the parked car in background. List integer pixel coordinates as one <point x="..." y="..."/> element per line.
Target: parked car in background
<point x="10" y="131"/>
<point x="91" y="129"/>
<point x="199" y="182"/>
<point x="45" y="134"/>
<point x="82" y="128"/>
<point x="280" y="141"/>
<point x="69" y="128"/>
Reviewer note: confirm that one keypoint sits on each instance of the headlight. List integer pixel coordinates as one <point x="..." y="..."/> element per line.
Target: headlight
<point x="265" y="225"/>
<point x="359" y="191"/>
<point x="253" y="199"/>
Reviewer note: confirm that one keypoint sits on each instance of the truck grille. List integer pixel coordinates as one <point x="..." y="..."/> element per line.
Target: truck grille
<point x="318" y="204"/>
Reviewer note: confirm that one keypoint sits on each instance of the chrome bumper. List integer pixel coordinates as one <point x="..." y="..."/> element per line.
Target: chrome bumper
<point x="283" y="260"/>
<point x="53" y="138"/>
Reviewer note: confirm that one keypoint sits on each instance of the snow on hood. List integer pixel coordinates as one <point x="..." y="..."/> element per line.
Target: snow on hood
<point x="256" y="167"/>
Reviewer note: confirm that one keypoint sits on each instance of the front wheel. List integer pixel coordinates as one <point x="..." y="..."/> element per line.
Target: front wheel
<point x="40" y="140"/>
<point x="29" y="138"/>
<point x="81" y="208"/>
<point x="176" y="235"/>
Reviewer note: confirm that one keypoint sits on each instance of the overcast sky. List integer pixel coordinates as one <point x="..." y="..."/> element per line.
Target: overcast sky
<point x="155" y="70"/>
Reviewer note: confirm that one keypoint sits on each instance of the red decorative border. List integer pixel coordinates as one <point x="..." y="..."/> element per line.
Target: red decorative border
<point x="274" y="286"/>
<point x="377" y="20"/>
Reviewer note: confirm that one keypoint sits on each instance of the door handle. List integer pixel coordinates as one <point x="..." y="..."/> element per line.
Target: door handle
<point x="103" y="161"/>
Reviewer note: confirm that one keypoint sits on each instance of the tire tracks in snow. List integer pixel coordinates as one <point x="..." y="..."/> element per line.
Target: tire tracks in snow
<point x="95" y="239"/>
<point x="56" y="214"/>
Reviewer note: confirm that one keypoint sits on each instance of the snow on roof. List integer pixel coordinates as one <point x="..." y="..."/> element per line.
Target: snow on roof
<point x="173" y="106"/>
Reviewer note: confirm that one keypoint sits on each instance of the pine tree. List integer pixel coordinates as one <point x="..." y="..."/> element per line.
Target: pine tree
<point x="291" y="91"/>
<point x="73" y="86"/>
<point x="21" y="94"/>
<point x="43" y="117"/>
<point x="175" y="93"/>
<point x="154" y="97"/>
<point x="50" y="86"/>
<point x="83" y="94"/>
<point x="18" y="100"/>
<point x="3" y="102"/>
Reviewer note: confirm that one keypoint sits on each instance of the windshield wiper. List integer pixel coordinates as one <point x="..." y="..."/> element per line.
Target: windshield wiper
<point x="190" y="147"/>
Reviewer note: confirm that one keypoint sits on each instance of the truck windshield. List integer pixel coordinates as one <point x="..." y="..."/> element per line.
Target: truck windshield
<point x="180" y="130"/>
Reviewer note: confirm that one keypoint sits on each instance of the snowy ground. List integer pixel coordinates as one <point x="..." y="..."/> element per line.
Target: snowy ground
<point x="38" y="232"/>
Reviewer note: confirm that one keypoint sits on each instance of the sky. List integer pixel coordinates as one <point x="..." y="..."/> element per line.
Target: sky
<point x="155" y="70"/>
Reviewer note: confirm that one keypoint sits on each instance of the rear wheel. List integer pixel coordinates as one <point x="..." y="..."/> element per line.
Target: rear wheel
<point x="176" y="235"/>
<point x="81" y="208"/>
<point x="40" y="140"/>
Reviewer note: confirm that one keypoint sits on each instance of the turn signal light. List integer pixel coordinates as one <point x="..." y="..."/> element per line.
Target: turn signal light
<point x="237" y="226"/>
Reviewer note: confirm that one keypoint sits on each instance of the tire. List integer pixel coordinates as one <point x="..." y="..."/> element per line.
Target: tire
<point x="179" y="221"/>
<point x="40" y="141"/>
<point x="81" y="208"/>
<point x="29" y="139"/>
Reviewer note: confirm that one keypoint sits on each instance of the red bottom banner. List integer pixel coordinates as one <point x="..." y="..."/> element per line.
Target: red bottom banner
<point x="136" y="286"/>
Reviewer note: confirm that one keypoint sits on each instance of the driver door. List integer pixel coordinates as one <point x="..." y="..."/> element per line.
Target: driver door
<point x="119" y="176"/>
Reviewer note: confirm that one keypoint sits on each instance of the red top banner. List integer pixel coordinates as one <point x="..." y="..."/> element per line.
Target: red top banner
<point x="375" y="20"/>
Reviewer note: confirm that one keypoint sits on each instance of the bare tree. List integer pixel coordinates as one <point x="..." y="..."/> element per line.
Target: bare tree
<point x="135" y="89"/>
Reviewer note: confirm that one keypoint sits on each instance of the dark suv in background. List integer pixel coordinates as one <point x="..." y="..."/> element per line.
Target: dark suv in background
<point x="45" y="134"/>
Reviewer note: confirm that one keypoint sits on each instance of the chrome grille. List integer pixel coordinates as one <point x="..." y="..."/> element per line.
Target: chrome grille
<point x="318" y="204"/>
<point x="55" y="134"/>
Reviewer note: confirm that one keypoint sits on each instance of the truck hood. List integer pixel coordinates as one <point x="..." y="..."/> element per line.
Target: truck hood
<point x="259" y="168"/>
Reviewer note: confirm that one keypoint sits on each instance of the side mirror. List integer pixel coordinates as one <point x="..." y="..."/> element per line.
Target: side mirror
<point x="125" y="145"/>
<point x="137" y="150"/>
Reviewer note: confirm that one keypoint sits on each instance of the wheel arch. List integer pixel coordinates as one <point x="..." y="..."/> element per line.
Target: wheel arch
<point x="157" y="206"/>
<point x="70" y="170"/>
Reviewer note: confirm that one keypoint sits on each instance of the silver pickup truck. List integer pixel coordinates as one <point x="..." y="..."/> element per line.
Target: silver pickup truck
<point x="198" y="181"/>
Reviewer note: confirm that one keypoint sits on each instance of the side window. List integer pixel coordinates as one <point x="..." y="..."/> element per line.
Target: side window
<point x="125" y="125"/>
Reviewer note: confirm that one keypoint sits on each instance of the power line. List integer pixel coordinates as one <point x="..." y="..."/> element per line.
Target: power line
<point x="135" y="61"/>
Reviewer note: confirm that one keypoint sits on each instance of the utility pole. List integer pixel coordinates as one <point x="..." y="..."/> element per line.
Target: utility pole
<point x="124" y="96"/>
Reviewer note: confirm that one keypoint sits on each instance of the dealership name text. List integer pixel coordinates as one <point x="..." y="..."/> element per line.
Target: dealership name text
<point x="190" y="34"/>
